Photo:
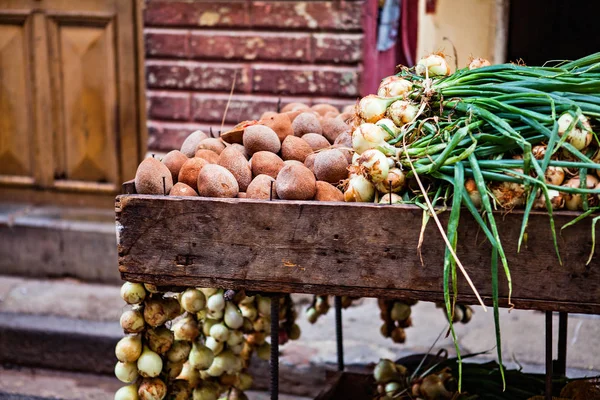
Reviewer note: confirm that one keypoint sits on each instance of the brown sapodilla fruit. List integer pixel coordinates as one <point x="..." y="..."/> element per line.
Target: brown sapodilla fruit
<point x="213" y="144"/>
<point x="174" y="160"/>
<point x="216" y="181"/>
<point x="347" y="152"/>
<point x="331" y="166"/>
<point x="294" y="107"/>
<point x="189" y="171"/>
<point x="347" y="118"/>
<point x="260" y="138"/>
<point x="307" y="122"/>
<point x="295" y="148"/>
<point x="240" y="148"/>
<point x="265" y="162"/>
<point x="182" y="189"/>
<point x="323" y="109"/>
<point x="295" y="182"/>
<point x="316" y="141"/>
<point x="293" y="162"/>
<point x="237" y="164"/>
<point x="344" y="139"/>
<point x="350" y="108"/>
<point x="333" y="127"/>
<point x="268" y="114"/>
<point x="327" y="192"/>
<point x="208" y="155"/>
<point x="191" y="142"/>
<point x="281" y="125"/>
<point x="310" y="161"/>
<point x="260" y="186"/>
<point x="149" y="177"/>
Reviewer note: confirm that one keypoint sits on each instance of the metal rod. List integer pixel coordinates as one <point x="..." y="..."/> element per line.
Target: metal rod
<point x="274" y="388"/>
<point x="339" y="337"/>
<point x="279" y="105"/>
<point x="561" y="364"/>
<point x="548" y="355"/>
<point x="164" y="185"/>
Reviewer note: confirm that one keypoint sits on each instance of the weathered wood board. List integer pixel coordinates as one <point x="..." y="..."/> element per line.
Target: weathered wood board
<point x="362" y="250"/>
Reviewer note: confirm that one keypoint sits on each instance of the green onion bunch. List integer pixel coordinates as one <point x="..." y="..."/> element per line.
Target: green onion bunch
<point x="484" y="138"/>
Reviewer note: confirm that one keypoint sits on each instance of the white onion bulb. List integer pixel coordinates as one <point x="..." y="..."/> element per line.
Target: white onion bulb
<point x="189" y="374"/>
<point x="372" y="108"/>
<point x="402" y="112"/>
<point x="133" y="293"/>
<point x="394" y="86"/>
<point x="193" y="300"/>
<point x="479" y="63"/>
<point x="581" y="134"/>
<point x="263" y="305"/>
<point x="201" y="357"/>
<point x="368" y="136"/>
<point x="129" y="348"/>
<point x="395" y="199"/>
<point x="433" y="65"/>
<point x="212" y="344"/>
<point x="186" y="329"/>
<point x="132" y="321"/>
<point x="149" y="364"/>
<point x="249" y="311"/>
<point x="219" y="332"/>
<point x="245" y="381"/>
<point x="179" y="351"/>
<point x="152" y="389"/>
<point x="126" y="372"/>
<point x="359" y="189"/>
<point x="235" y="338"/>
<point x="233" y="317"/>
<point x="129" y="392"/>
<point x="374" y="165"/>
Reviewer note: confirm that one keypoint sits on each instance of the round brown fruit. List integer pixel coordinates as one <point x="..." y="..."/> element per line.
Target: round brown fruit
<point x="295" y="148"/>
<point x="216" y="181"/>
<point x="240" y="148"/>
<point x="295" y="182"/>
<point x="307" y="122"/>
<point x="208" y="155"/>
<point x="294" y="107"/>
<point x="267" y="114"/>
<point x="350" y="109"/>
<point x="174" y="160"/>
<point x="331" y="166"/>
<point x="213" y="144"/>
<point x="323" y="109"/>
<point x="292" y="162"/>
<point x="260" y="186"/>
<point x="189" y="171"/>
<point x="265" y="162"/>
<point x="181" y="189"/>
<point x="333" y="127"/>
<point x="310" y="161"/>
<point x="149" y="177"/>
<point x="236" y="163"/>
<point x="261" y="138"/>
<point x="328" y="192"/>
<point x="281" y="125"/>
<point x="347" y="118"/>
<point x="344" y="139"/>
<point x="191" y="142"/>
<point x="316" y="141"/>
<point x="345" y="151"/>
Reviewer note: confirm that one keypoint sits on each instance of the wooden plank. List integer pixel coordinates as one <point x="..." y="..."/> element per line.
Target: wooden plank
<point x="363" y="250"/>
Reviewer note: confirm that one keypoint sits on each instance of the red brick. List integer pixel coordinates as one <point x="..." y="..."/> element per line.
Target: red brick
<point x="250" y="45"/>
<point x="230" y="13"/>
<point x="338" y="48"/>
<point x="167" y="136"/>
<point x="332" y="15"/>
<point x="166" y="42"/>
<point x="314" y="80"/>
<point x="196" y="75"/>
<point x="168" y="105"/>
<point x="210" y="107"/>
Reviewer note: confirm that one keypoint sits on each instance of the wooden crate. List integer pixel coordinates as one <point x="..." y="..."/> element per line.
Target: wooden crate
<point x="354" y="249"/>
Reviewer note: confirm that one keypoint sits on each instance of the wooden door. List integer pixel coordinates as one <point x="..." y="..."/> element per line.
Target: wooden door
<point x="72" y="114"/>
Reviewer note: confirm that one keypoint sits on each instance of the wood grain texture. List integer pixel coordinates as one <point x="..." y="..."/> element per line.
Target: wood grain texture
<point x="344" y="249"/>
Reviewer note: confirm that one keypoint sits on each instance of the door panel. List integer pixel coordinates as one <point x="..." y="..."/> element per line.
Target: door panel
<point x="16" y="159"/>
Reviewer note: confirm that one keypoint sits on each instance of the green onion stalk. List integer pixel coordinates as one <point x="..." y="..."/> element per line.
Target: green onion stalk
<point x="485" y="137"/>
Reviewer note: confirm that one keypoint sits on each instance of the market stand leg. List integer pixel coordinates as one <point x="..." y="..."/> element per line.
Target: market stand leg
<point x="556" y="368"/>
<point x="339" y="338"/>
<point x="274" y="387"/>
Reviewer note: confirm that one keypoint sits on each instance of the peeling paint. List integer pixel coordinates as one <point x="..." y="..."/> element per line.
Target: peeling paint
<point x="300" y="9"/>
<point x="209" y="18"/>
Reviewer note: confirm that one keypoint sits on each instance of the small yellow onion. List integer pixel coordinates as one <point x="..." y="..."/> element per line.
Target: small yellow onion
<point x="395" y="199"/>
<point x="237" y="349"/>
<point x="312" y="314"/>
<point x="394" y="86"/>
<point x="152" y="389"/>
<point x="133" y="293"/>
<point x="244" y="382"/>
<point x="581" y="134"/>
<point x="374" y="166"/>
<point x="149" y="364"/>
<point x="249" y="311"/>
<point x="433" y="65"/>
<point x="206" y="392"/>
<point x="247" y="300"/>
<point x="557" y="200"/>
<point x="233" y="317"/>
<point x="208" y="323"/>
<point x="201" y="357"/>
<point x="132" y="321"/>
<point x="359" y="189"/>
<point x="208" y="291"/>
<point x="189" y="374"/>
<point x="193" y="300"/>
<point x="555" y="175"/>
<point x="160" y="339"/>
<point x="574" y="202"/>
<point x="392" y="388"/>
<point x="473" y="192"/>
<point x="539" y="151"/>
<point x="235" y="338"/>
<point x="216" y="302"/>
<point x="479" y="63"/>
<point x="385" y="371"/>
<point x="150" y="288"/>
<point x="509" y="194"/>
<point x="264" y="351"/>
<point x="262" y="324"/>
<point x="215" y="346"/>
<point x="219" y="332"/>
<point x="433" y="387"/>
<point x="179" y="351"/>
<point x="186" y="329"/>
<point x="400" y="311"/>
<point x="126" y="372"/>
<point x="173" y="369"/>
<point x="180" y="390"/>
<point x="402" y="112"/>
<point x="397" y="179"/>
<point x="129" y="392"/>
<point x="372" y="108"/>
<point x="129" y="348"/>
<point x="157" y="311"/>
<point x="368" y="136"/>
<point x="263" y="305"/>
<point x="294" y="332"/>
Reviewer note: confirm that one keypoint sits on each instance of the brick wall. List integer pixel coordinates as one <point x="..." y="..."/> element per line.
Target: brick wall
<point x="308" y="51"/>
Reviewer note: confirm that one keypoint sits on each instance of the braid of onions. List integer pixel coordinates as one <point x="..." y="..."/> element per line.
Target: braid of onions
<point x="486" y="137"/>
<point x="196" y="344"/>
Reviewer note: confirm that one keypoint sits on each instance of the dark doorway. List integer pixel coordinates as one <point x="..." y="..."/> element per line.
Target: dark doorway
<point x="542" y="30"/>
